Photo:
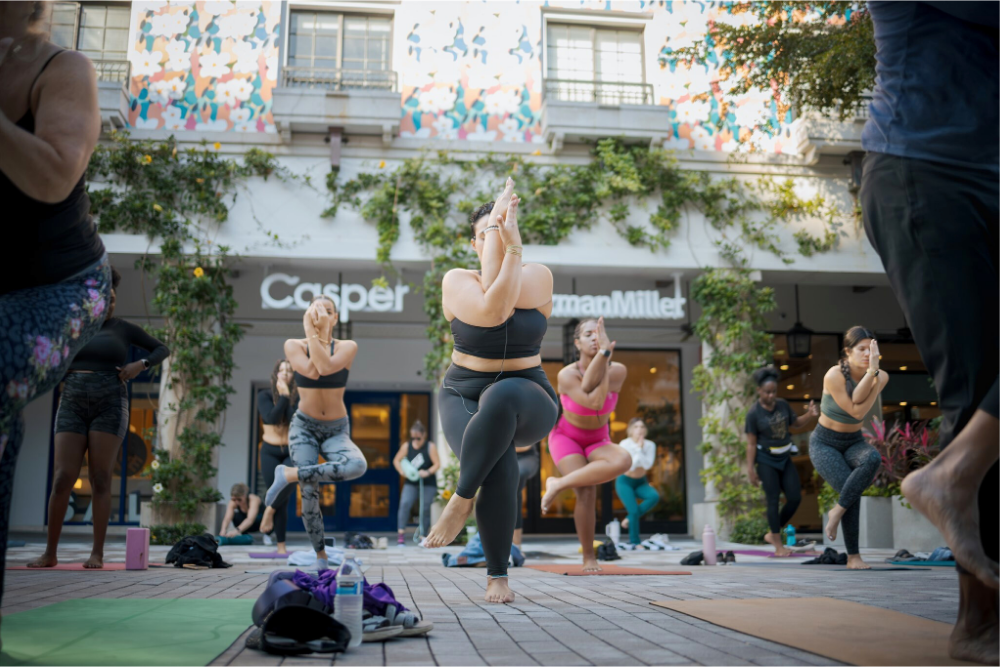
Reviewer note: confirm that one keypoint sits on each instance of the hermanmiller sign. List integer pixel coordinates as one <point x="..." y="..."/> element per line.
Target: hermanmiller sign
<point x="348" y="298"/>
<point x="631" y="305"/>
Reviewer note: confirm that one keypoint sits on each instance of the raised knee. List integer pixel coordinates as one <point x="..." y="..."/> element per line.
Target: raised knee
<point x="356" y="468"/>
<point x="623" y="461"/>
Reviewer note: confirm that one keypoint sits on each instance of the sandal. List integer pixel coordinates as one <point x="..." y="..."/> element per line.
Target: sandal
<point x="411" y="624"/>
<point x="378" y="628"/>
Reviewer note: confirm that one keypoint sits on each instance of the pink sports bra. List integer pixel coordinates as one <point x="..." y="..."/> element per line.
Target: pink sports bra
<point x="569" y="405"/>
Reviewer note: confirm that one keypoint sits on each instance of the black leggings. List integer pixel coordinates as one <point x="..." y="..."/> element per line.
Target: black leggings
<point x="484" y="419"/>
<point x="775" y="481"/>
<point x="272" y="456"/>
<point x="528" y="465"/>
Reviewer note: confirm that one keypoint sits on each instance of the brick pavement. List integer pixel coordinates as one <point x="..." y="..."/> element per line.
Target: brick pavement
<point x="556" y="620"/>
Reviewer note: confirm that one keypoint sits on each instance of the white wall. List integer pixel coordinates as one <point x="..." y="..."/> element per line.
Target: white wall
<point x="30" y="481"/>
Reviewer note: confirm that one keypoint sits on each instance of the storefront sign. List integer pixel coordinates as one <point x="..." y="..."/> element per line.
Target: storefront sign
<point x="631" y="305"/>
<point x="349" y="297"/>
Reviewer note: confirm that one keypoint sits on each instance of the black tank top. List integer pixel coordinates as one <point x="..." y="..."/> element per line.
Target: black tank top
<point x="520" y="336"/>
<point x="54" y="241"/>
<point x="336" y="380"/>
<point x="411" y="453"/>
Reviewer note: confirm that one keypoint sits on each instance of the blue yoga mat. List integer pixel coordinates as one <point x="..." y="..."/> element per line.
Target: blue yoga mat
<point x="923" y="563"/>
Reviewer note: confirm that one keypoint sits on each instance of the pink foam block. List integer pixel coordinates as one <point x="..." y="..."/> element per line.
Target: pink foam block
<point x="137" y="549"/>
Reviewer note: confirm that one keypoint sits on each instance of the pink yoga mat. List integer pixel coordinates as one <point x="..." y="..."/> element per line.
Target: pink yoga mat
<point x="758" y="552"/>
<point x="78" y="567"/>
<point x="274" y="554"/>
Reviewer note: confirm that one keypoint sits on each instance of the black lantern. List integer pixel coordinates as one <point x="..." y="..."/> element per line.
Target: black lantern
<point x="799" y="337"/>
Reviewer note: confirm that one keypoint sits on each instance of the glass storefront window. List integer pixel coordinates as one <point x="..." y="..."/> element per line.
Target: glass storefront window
<point x="370" y="432"/>
<point x="369" y="500"/>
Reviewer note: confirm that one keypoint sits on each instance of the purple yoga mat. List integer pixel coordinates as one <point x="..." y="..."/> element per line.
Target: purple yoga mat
<point x="757" y="552"/>
<point x="273" y="554"/>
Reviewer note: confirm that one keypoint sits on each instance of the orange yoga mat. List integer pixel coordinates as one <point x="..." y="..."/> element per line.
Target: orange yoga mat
<point x="78" y="567"/>
<point x="576" y="570"/>
<point x="857" y="634"/>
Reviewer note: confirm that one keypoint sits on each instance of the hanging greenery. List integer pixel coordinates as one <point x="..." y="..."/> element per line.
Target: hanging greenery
<point x="435" y="193"/>
<point x="177" y="198"/>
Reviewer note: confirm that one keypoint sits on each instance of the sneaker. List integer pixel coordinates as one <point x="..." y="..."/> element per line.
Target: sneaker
<point x="652" y="546"/>
<point x="382" y="543"/>
<point x="268" y="541"/>
<point x="729" y="558"/>
<point x="626" y="546"/>
<point x="660" y="539"/>
<point x="401" y="540"/>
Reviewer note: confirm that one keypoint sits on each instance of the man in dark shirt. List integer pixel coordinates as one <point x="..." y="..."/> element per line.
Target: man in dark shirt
<point x="930" y="196"/>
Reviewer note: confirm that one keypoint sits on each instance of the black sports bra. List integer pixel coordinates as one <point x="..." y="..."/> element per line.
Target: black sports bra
<point x="336" y="380"/>
<point x="520" y="336"/>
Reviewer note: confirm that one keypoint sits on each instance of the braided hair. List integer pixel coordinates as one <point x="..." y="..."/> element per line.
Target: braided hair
<point x="852" y="337"/>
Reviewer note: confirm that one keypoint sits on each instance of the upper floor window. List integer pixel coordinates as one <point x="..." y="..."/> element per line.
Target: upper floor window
<point x="98" y="30"/>
<point x="338" y="50"/>
<point x="595" y="64"/>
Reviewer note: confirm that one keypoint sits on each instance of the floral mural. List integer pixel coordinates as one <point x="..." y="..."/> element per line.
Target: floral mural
<point x="467" y="70"/>
<point x="204" y="66"/>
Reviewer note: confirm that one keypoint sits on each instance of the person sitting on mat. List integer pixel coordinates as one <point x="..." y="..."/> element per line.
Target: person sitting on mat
<point x="243" y="512"/>
<point x="634" y="490"/>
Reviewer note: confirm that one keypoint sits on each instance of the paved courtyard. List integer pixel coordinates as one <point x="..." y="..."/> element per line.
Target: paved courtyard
<point x="556" y="620"/>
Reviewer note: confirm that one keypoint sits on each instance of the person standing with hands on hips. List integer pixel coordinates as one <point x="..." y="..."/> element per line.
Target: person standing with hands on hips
<point x="769" y="452"/>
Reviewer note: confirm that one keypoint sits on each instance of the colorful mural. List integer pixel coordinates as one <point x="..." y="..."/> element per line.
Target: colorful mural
<point x="467" y="70"/>
<point x="204" y="66"/>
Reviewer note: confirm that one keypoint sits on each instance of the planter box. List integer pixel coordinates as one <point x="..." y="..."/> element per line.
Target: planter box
<point x="208" y="514"/>
<point x="876" y="526"/>
<point x="912" y="531"/>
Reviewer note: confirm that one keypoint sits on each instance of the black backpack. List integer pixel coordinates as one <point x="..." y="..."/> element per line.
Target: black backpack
<point x="607" y="551"/>
<point x="359" y="541"/>
<point x="299" y="623"/>
<point x="196" y="550"/>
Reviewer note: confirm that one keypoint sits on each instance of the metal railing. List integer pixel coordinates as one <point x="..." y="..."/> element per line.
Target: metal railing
<point x="112" y="70"/>
<point x="862" y="113"/>
<point x="338" y="79"/>
<point x="600" y="92"/>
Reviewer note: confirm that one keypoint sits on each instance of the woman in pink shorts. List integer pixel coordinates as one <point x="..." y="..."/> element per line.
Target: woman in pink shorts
<point x="580" y="444"/>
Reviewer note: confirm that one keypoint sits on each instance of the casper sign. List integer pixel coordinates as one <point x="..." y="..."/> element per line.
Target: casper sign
<point x="631" y="305"/>
<point x="349" y="297"/>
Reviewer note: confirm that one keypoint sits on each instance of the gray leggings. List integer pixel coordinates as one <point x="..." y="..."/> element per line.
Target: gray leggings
<point x="408" y="498"/>
<point x="849" y="464"/>
<point x="307" y="439"/>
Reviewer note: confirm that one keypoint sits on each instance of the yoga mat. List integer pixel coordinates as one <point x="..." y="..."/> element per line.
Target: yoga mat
<point x="923" y="563"/>
<point x="761" y="552"/>
<point x="78" y="567"/>
<point x="837" y="629"/>
<point x="273" y="554"/>
<point x="124" y="632"/>
<point x="15" y="543"/>
<point x="576" y="570"/>
<point x="783" y="563"/>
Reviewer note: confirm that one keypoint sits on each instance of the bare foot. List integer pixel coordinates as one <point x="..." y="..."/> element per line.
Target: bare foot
<point x="953" y="507"/>
<point x="267" y="521"/>
<point x="451" y="522"/>
<point x="855" y="563"/>
<point x="95" y="562"/>
<point x="552" y="489"/>
<point x="590" y="564"/>
<point x="282" y="549"/>
<point x="833" y="523"/>
<point x="780" y="550"/>
<point x="625" y="523"/>
<point x="975" y="636"/>
<point x="498" y="591"/>
<point x="45" y="560"/>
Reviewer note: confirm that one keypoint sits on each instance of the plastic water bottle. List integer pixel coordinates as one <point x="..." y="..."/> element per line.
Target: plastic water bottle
<point x="614" y="531"/>
<point x="790" y="535"/>
<point x="347" y="602"/>
<point x="708" y="545"/>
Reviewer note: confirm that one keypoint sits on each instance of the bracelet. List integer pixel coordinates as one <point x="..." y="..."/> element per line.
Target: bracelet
<point x="512" y="251"/>
<point x="316" y="336"/>
<point x="491" y="228"/>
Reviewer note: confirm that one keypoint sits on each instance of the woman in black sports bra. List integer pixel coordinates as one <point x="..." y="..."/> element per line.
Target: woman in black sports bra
<point x="320" y="426"/>
<point x="495" y="396"/>
<point x="277" y="406"/>
<point x="54" y="295"/>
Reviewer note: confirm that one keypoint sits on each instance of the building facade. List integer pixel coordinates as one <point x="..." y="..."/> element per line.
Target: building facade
<point x="362" y="86"/>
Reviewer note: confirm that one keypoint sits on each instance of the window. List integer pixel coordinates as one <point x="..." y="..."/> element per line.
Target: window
<point x="98" y="30"/>
<point x="339" y="50"/>
<point x="590" y="64"/>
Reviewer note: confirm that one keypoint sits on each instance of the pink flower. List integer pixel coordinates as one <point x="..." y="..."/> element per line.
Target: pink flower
<point x="93" y="294"/>
<point x="17" y="389"/>
<point x="55" y="359"/>
<point x="91" y="282"/>
<point x="99" y="308"/>
<point x="75" y="325"/>
<point x="65" y="351"/>
<point x="43" y="348"/>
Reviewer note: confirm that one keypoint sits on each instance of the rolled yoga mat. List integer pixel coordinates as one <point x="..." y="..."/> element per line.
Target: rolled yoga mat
<point x="127" y="631"/>
<point x="273" y="554"/>
<point x="854" y="633"/>
<point x="576" y="570"/>
<point x="761" y="552"/>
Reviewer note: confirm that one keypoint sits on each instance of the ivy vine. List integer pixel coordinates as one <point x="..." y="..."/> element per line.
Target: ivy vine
<point x="178" y="197"/>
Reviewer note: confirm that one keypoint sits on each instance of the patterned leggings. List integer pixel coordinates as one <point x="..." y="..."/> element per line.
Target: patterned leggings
<point x="307" y="439"/>
<point x="41" y="330"/>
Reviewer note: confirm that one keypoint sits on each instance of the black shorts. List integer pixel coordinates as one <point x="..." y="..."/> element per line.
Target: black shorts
<point x="93" y="402"/>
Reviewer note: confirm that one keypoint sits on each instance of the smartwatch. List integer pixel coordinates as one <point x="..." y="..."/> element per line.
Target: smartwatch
<point x="606" y="353"/>
<point x="145" y="363"/>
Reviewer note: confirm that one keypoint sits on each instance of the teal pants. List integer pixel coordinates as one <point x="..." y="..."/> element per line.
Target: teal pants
<point x="629" y="490"/>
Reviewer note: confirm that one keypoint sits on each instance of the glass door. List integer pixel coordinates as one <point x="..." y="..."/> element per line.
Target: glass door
<point x="371" y="502"/>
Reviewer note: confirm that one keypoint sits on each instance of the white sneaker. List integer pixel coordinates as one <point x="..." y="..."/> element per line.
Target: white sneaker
<point x="626" y="546"/>
<point x="652" y="546"/>
<point x="268" y="541"/>
<point x="382" y="543"/>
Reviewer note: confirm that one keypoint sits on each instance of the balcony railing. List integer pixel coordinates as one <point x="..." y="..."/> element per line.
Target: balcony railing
<point x="862" y="113"/>
<point x="338" y="79"/>
<point x="611" y="93"/>
<point x="116" y="71"/>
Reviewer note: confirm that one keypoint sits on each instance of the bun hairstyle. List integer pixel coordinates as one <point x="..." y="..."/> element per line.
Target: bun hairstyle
<point x="479" y="212"/>
<point x="852" y="337"/>
<point x="762" y="376"/>
<point x="419" y="427"/>
<point x="325" y="297"/>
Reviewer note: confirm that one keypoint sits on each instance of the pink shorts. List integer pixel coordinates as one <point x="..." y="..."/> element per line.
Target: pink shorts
<point x="566" y="439"/>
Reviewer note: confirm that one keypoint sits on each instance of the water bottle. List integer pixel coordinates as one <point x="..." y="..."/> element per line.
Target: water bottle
<point x="708" y="545"/>
<point x="614" y="531"/>
<point x="348" y="598"/>
<point x="790" y="535"/>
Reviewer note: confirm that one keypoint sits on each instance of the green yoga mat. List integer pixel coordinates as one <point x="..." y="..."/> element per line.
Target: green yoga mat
<point x="124" y="632"/>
